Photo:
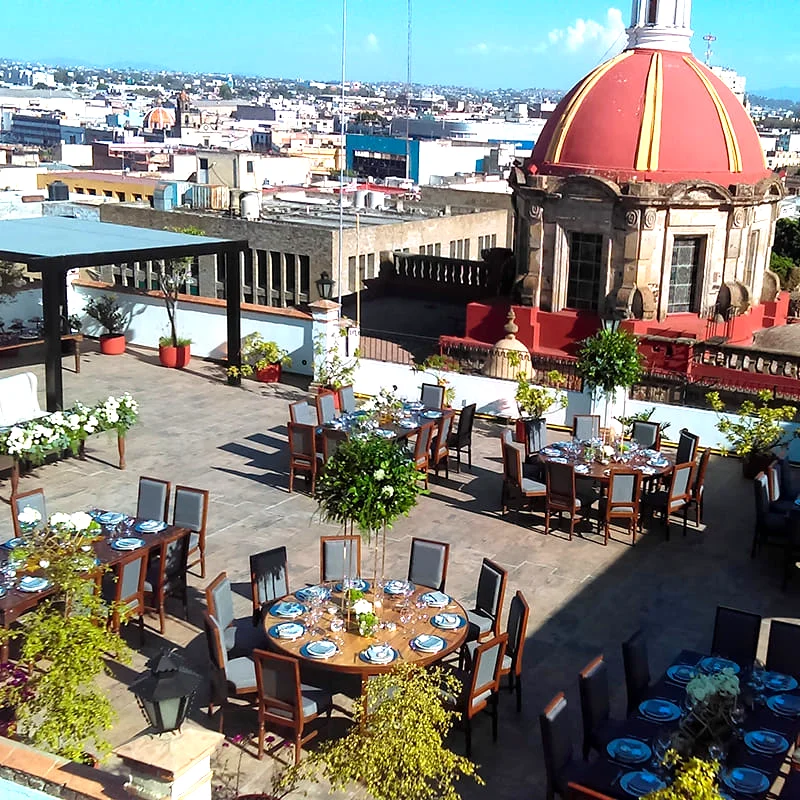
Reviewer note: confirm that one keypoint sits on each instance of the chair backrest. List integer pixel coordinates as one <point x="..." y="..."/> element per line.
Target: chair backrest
<point x="774" y="481"/>
<point x="687" y="447"/>
<point x="785" y="473"/>
<point x="637" y="668"/>
<point x="443" y="431"/>
<point x="33" y="499"/>
<point x="191" y="508"/>
<point x="301" y="442"/>
<point x="698" y="485"/>
<point x="595" y="699"/>
<point x="303" y="413"/>
<point x="517" y="628"/>
<point x="761" y="489"/>
<point x="487" y="659"/>
<point x="646" y="433"/>
<point x="326" y="407"/>
<point x="512" y="458"/>
<point x="432" y="395"/>
<point x="556" y="737"/>
<point x="333" y="564"/>
<point x="561" y="484"/>
<point x="217" y="654"/>
<point x="19" y="399"/>
<point x="347" y="400"/>
<point x="586" y="426"/>
<point x="466" y="421"/>
<point x="428" y="563"/>
<point x="269" y="576"/>
<point x="278" y="682"/>
<point x="783" y="648"/>
<point x="174" y="558"/>
<point x="153" y="500"/>
<point x="129" y="588"/>
<point x="219" y="600"/>
<point x="535" y="435"/>
<point x="624" y="490"/>
<point x="736" y="635"/>
<point x="491" y="588"/>
<point x="331" y="439"/>
<point x="680" y="490"/>
<point x="422" y="442"/>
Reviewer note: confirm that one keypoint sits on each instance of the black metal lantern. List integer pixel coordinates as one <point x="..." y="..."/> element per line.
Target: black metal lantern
<point x="611" y="320"/>
<point x="325" y="286"/>
<point x="166" y="691"/>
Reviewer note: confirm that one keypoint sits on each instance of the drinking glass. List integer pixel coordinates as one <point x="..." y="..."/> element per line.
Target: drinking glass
<point x="757" y="682"/>
<point x="661" y="743"/>
<point x="716" y="752"/>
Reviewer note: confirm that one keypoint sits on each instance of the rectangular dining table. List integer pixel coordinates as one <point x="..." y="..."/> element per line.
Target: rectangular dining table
<point x="604" y="774"/>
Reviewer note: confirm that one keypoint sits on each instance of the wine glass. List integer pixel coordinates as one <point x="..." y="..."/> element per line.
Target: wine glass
<point x="661" y="743"/>
<point x="757" y="682"/>
<point x="716" y="752"/>
<point x="737" y="718"/>
<point x="337" y="627"/>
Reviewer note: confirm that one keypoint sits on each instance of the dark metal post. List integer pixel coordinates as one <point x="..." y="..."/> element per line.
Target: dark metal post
<point x="53" y="292"/>
<point x="233" y="293"/>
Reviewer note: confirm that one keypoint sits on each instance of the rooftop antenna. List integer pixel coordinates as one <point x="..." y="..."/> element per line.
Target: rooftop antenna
<point x="708" y="38"/>
<point x="408" y="95"/>
<point x="342" y="156"/>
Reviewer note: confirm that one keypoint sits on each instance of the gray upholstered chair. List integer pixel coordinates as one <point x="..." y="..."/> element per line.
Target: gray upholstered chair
<point x="427" y="564"/>
<point x="598" y="727"/>
<point x="771" y="527"/>
<point x="484" y="618"/>
<point x="331" y="439"/>
<point x="302" y="453"/>
<point x="585" y="426"/>
<point x="153" y="499"/>
<point x="698" y="485"/>
<point x="166" y="576"/>
<point x="516" y="487"/>
<point x="333" y="563"/>
<point x="33" y="499"/>
<point x="422" y="449"/>
<point x="560" y="766"/>
<point x="687" y="447"/>
<point x="562" y="495"/>
<point x="778" y="501"/>
<point x="269" y="579"/>
<point x="284" y="702"/>
<point x="647" y="434"/>
<point x="674" y="499"/>
<point x="124" y="587"/>
<point x="622" y="502"/>
<point x="228" y="676"/>
<point x="303" y="413"/>
<point x="347" y="400"/>
<point x="191" y="512"/>
<point x="736" y="635"/>
<point x="239" y="637"/>
<point x="637" y="669"/>
<point x="440" y="452"/>
<point x="432" y="395"/>
<point x="326" y="407"/>
<point x="783" y="647"/>
<point x="479" y="686"/>
<point x="461" y="438"/>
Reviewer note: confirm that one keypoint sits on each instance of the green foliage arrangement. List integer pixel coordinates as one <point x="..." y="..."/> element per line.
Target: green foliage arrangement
<point x="758" y="428"/>
<point x="437" y="365"/>
<point x="385" y="404"/>
<point x="695" y="779"/>
<point x="12" y="279"/>
<point x="64" y="431"/>
<point x="786" y="270"/>
<point x="369" y="481"/>
<point x="639" y="416"/>
<point x="65" y="642"/>
<point x="787" y="239"/>
<point x="395" y="748"/>
<point x="610" y="359"/>
<point x="258" y="354"/>
<point x="535" y="401"/>
<point x="174" y="274"/>
<point x="331" y="369"/>
<point x="106" y="312"/>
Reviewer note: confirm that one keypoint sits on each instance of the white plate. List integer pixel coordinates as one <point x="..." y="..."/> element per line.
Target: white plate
<point x="32" y="584"/>
<point x="426" y="643"/>
<point x="379" y="654"/>
<point x="435" y="599"/>
<point x="127" y="543"/>
<point x="150" y="526"/>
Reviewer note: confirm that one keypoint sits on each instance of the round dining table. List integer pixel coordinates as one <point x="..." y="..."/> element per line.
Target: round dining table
<point x="652" y="464"/>
<point x="396" y="630"/>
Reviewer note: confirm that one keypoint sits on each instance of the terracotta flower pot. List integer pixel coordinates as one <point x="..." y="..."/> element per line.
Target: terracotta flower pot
<point x="335" y="392"/>
<point x="270" y="374"/>
<point x="112" y="344"/>
<point x="174" y="357"/>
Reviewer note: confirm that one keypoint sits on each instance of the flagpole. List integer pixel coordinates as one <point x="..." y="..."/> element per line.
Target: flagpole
<point x="358" y="272"/>
<point x="342" y="157"/>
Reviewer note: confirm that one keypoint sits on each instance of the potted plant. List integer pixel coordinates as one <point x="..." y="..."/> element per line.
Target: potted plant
<point x="65" y="643"/>
<point x="609" y="360"/>
<point x="261" y="358"/>
<point x="437" y="365"/>
<point x="331" y="369"/>
<point x="639" y="416"/>
<point x="755" y="431"/>
<point x="396" y="747"/>
<point x="105" y="311"/>
<point x="534" y="401"/>
<point x="174" y="275"/>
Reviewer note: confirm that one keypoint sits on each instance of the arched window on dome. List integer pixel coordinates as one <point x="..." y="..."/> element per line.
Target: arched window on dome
<point x="652" y="11"/>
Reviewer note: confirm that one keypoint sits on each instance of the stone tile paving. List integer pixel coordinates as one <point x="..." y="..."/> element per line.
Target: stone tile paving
<point x="585" y="598"/>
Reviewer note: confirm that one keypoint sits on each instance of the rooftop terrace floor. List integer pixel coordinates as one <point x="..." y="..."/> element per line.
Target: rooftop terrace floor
<point x="585" y="598"/>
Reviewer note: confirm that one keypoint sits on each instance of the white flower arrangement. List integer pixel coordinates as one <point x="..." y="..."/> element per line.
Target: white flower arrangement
<point x="29" y="516"/>
<point x="362" y="606"/>
<point x="724" y="684"/>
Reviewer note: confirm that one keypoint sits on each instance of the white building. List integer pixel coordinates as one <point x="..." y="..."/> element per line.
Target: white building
<point x="733" y="80"/>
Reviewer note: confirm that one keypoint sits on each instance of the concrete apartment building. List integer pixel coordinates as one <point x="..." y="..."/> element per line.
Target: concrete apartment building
<point x="292" y="245"/>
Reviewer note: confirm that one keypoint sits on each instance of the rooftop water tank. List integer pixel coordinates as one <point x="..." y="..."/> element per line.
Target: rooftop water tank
<point x="58" y="190"/>
<point x="250" y="205"/>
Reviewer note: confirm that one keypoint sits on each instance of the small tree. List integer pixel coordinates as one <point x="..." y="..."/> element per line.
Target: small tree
<point x="535" y="401"/>
<point x="173" y="276"/>
<point x="12" y="279"/>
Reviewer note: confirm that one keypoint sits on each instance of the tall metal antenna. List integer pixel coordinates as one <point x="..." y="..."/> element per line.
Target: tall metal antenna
<point x="408" y="95"/>
<point x="708" y="38"/>
<point x="342" y="157"/>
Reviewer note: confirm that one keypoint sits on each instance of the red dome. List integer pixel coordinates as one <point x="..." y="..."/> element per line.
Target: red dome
<point x="651" y="115"/>
<point x="159" y="118"/>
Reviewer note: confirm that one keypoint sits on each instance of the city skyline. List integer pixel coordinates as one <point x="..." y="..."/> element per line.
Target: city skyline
<point x="479" y="46"/>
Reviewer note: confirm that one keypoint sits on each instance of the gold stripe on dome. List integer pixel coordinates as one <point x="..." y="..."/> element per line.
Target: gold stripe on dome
<point x="649" y="146"/>
<point x="556" y="145"/>
<point x="731" y="142"/>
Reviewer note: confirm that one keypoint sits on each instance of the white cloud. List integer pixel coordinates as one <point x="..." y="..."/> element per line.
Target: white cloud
<point x="588" y="33"/>
<point x="371" y="43"/>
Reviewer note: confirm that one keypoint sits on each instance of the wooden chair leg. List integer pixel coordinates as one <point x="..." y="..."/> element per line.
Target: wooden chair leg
<point x="518" y="690"/>
<point x="297" y="738"/>
<point x="469" y="456"/>
<point x="494" y="702"/>
<point x="161" y="614"/>
<point x="547" y="520"/>
<point x="260" y="739"/>
<point x="291" y="479"/>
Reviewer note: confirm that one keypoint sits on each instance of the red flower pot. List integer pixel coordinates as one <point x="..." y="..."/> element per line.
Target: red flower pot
<point x="270" y="374"/>
<point x="174" y="357"/>
<point x="334" y="392"/>
<point x="112" y="344"/>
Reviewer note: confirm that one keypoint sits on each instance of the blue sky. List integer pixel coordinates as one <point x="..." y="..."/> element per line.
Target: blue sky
<point x="491" y="43"/>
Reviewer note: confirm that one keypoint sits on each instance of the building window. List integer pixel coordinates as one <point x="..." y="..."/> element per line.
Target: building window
<point x="371" y="266"/>
<point x="585" y="268"/>
<point x="422" y="250"/>
<point x="686" y="252"/>
<point x="121" y="197"/>
<point x="203" y="163"/>
<point x="437" y="249"/>
<point x="652" y="10"/>
<point x="452" y="249"/>
<point x="305" y="278"/>
<point x="219" y="269"/>
<point x="466" y="248"/>
<point x="351" y="272"/>
<point x="289" y="280"/>
<point x="249" y="167"/>
<point x="276" y="287"/>
<point x="750" y="259"/>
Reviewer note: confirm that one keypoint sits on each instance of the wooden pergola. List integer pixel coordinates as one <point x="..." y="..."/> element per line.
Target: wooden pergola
<point x="54" y="245"/>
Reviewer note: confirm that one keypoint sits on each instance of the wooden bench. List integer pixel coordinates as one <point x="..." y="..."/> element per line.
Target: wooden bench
<point x="74" y="339"/>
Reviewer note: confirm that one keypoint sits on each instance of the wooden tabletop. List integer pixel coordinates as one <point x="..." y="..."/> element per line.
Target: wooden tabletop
<point x="599" y="471"/>
<point x="348" y="659"/>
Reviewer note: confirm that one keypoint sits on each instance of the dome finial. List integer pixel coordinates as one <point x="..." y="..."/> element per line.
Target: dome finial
<point x="661" y="25"/>
<point x="511" y="327"/>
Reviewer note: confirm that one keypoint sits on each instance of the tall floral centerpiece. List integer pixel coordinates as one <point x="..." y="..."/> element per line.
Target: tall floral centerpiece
<point x="367" y="484"/>
<point x="65" y="640"/>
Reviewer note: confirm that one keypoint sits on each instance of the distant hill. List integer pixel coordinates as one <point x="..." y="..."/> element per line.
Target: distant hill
<point x="791" y="93"/>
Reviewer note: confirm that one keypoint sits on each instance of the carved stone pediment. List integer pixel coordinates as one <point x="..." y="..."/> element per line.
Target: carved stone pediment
<point x="698" y="192"/>
<point x="771" y="188"/>
<point x="590" y="187"/>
